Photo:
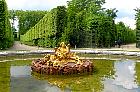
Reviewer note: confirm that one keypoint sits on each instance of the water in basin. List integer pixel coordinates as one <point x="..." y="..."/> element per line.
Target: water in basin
<point x="120" y="75"/>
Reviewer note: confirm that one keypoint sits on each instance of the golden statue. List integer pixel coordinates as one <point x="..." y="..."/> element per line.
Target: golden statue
<point x="61" y="62"/>
<point x="62" y="55"/>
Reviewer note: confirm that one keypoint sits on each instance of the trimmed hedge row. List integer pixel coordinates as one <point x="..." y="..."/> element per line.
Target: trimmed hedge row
<point x="48" y="29"/>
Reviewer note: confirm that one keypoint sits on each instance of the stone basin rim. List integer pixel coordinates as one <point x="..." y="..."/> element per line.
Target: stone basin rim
<point x="106" y="52"/>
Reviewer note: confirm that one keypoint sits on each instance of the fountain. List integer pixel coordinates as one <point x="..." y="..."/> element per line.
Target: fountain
<point x="62" y="61"/>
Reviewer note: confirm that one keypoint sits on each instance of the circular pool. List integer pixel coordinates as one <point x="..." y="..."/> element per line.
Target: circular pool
<point x="112" y="73"/>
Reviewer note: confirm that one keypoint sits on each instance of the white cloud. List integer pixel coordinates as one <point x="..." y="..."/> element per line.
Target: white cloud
<point x="127" y="21"/>
<point x="126" y="5"/>
<point x="34" y="4"/>
<point x="126" y="10"/>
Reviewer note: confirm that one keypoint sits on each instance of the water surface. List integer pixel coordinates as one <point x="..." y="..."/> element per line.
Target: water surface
<point x="120" y="75"/>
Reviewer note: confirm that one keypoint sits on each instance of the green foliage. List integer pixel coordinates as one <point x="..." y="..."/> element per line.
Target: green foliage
<point x="126" y="34"/>
<point x="6" y="35"/>
<point x="89" y="25"/>
<point x="83" y="24"/>
<point x="48" y="31"/>
<point x="102" y="30"/>
<point x="138" y="38"/>
<point x="61" y="21"/>
<point x="27" y="19"/>
<point x="137" y="18"/>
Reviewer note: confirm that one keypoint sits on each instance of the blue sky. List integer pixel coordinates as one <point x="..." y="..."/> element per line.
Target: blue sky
<point x="126" y="8"/>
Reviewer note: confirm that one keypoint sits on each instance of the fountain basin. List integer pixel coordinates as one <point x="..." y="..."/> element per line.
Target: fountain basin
<point x="67" y="68"/>
<point x="62" y="61"/>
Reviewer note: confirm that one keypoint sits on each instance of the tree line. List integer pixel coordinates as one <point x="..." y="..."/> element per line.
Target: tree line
<point x="26" y="18"/>
<point x="84" y="23"/>
<point x="6" y="34"/>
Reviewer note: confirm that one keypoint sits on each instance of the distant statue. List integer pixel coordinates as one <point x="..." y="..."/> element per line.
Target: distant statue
<point x="119" y="42"/>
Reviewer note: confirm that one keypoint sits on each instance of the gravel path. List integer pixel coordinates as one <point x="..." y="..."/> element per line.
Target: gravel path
<point x="128" y="47"/>
<point x="18" y="46"/>
<point x="22" y="49"/>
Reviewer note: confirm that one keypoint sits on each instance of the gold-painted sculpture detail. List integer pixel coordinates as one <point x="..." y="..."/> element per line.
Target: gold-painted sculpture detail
<point x="62" y="55"/>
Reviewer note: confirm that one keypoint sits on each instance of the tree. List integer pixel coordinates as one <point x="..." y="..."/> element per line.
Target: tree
<point x="27" y="19"/>
<point x="61" y="22"/>
<point x="84" y="23"/>
<point x="6" y="34"/>
<point x="126" y="34"/>
<point x="137" y="18"/>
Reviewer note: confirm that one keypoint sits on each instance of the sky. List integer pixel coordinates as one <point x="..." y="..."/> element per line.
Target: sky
<point x="125" y="8"/>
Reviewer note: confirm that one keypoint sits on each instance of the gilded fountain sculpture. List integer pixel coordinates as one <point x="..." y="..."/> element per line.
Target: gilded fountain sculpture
<point x="62" y="61"/>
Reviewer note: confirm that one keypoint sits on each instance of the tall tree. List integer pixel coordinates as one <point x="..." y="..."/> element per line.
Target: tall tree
<point x="6" y="34"/>
<point x="126" y="34"/>
<point x="79" y="11"/>
<point x="137" y="18"/>
<point x="61" y="22"/>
